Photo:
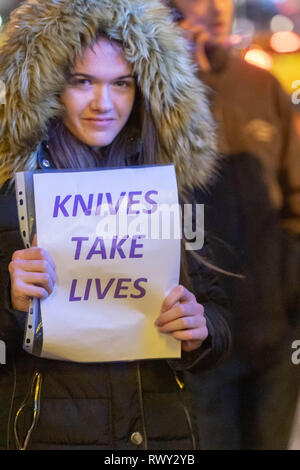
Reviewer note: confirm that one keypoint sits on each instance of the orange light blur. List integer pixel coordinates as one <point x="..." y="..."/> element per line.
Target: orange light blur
<point x="285" y="41"/>
<point x="259" y="58"/>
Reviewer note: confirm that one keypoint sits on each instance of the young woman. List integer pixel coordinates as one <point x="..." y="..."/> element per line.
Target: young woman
<point x="89" y="84"/>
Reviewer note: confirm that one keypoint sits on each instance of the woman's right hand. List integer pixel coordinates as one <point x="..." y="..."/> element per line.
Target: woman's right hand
<point x="32" y="274"/>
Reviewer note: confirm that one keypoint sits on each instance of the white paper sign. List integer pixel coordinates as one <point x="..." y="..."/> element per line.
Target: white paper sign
<point x="106" y="231"/>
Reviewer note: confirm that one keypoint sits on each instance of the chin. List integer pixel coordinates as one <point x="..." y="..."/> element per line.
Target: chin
<point x="94" y="142"/>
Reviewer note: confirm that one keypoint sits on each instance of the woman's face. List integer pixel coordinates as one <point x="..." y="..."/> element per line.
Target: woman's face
<point x="100" y="94"/>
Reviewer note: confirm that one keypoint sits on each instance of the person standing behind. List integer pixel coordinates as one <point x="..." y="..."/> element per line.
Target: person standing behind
<point x="253" y="214"/>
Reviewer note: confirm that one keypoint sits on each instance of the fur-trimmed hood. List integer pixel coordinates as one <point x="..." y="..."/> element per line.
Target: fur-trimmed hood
<point x="42" y="40"/>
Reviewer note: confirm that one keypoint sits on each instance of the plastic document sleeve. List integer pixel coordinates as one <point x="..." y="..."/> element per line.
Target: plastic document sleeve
<point x="33" y="334"/>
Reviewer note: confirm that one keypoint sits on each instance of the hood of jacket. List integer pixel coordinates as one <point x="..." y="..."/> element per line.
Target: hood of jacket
<point x="41" y="41"/>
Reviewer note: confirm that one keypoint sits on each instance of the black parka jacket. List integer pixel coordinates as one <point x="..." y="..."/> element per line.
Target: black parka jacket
<point x="47" y="404"/>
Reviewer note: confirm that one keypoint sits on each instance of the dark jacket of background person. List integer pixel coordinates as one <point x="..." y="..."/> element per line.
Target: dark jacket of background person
<point x="253" y="217"/>
<point x="255" y="115"/>
<point x="47" y="404"/>
<point x="259" y="191"/>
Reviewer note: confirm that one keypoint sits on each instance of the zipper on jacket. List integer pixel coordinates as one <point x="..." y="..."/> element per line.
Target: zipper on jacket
<point x="35" y="393"/>
<point x="180" y="384"/>
<point x="140" y="393"/>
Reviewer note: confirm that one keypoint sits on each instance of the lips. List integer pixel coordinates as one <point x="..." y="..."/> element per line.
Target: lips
<point x="99" y="123"/>
<point x="100" y="120"/>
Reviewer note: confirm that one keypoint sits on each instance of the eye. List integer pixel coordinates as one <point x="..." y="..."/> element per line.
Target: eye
<point x="83" y="81"/>
<point x="121" y="83"/>
<point x="80" y="81"/>
<point x="124" y="83"/>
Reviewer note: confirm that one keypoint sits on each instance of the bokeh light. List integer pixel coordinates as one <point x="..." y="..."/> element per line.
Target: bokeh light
<point x="285" y="41"/>
<point x="259" y="58"/>
<point x="281" y="23"/>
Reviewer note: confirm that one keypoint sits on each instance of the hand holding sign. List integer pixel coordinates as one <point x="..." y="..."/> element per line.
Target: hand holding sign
<point x="32" y="273"/>
<point x="183" y="317"/>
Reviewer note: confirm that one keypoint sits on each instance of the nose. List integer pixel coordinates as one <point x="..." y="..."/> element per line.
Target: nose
<point x="101" y="101"/>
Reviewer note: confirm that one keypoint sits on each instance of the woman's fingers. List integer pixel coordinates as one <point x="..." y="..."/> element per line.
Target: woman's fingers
<point x="23" y="290"/>
<point x="34" y="266"/>
<point x="183" y="317"/>
<point x="195" y="334"/>
<point x="179" y="311"/>
<point x="34" y="253"/>
<point x="32" y="273"/>
<point x="178" y="294"/>
<point x="183" y="323"/>
<point x="43" y="280"/>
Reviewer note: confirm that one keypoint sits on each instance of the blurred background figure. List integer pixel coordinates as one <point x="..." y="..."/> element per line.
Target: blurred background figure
<point x="252" y="212"/>
<point x="6" y="6"/>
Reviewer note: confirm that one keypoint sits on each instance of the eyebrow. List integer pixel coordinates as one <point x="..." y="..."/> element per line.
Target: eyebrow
<point x="122" y="77"/>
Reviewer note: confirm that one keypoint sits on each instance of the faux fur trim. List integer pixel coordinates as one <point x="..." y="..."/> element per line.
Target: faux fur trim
<point x="42" y="39"/>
